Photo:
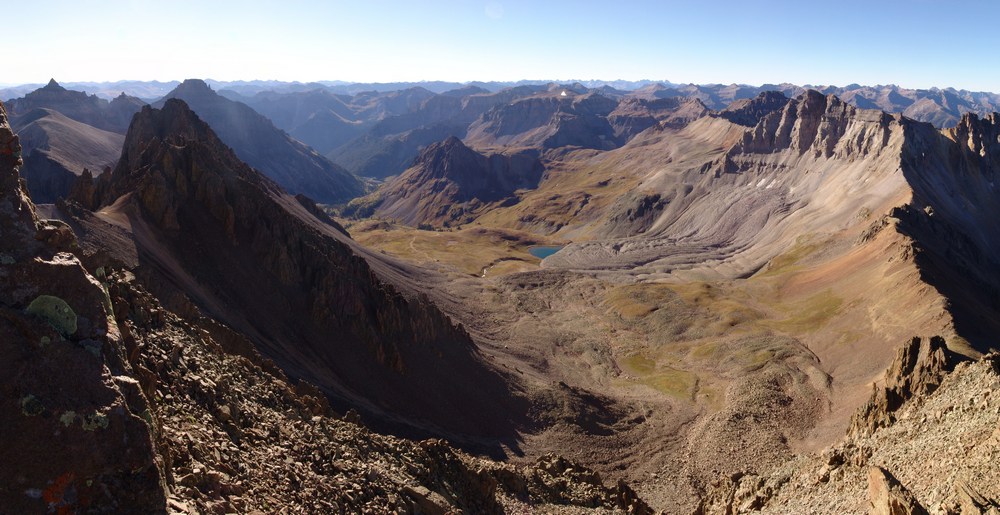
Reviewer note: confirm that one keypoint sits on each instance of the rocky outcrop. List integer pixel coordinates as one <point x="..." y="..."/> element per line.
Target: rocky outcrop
<point x="970" y="500"/>
<point x="236" y="435"/>
<point x="450" y="183"/>
<point x="888" y="497"/>
<point x="917" y="370"/>
<point x="294" y="166"/>
<point x="71" y="415"/>
<point x="556" y="480"/>
<point x="980" y="136"/>
<point x="941" y="445"/>
<point x="739" y="493"/>
<point x="750" y="111"/>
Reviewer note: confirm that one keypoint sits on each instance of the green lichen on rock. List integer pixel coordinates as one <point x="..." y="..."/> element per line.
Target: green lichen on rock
<point x="95" y="421"/>
<point x="92" y="346"/>
<point x="67" y="418"/>
<point x="56" y="312"/>
<point x="6" y="259"/>
<point x="107" y="298"/>
<point x="31" y="406"/>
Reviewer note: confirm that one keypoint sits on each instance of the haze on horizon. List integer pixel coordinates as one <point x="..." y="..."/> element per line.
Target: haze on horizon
<point x="912" y="43"/>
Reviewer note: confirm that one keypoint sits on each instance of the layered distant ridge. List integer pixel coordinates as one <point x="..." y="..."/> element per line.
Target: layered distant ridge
<point x="294" y="166"/>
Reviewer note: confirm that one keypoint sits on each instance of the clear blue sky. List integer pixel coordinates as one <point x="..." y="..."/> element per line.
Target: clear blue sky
<point x="914" y="43"/>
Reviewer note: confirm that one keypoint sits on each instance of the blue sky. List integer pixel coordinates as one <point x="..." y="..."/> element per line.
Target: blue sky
<point x="914" y="43"/>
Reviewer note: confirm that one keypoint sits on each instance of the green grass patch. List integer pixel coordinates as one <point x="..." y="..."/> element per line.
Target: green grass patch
<point x="639" y="364"/>
<point x="673" y="382"/>
<point x="788" y="262"/>
<point x="811" y="314"/>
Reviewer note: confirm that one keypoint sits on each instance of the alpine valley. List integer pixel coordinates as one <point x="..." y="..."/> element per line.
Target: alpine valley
<point x="530" y="297"/>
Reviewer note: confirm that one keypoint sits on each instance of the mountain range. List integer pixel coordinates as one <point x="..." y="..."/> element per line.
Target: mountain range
<point x="545" y="297"/>
<point x="75" y="120"/>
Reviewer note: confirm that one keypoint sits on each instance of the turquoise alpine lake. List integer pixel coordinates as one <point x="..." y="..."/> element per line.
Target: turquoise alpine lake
<point x="544" y="251"/>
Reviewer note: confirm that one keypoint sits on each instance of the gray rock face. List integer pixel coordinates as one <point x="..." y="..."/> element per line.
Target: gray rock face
<point x="749" y="111"/>
<point x="816" y="123"/>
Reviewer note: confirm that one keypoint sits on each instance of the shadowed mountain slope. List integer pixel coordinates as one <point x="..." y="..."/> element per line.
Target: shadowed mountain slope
<point x="110" y="403"/>
<point x="294" y="166"/>
<point x="56" y="150"/>
<point x="211" y="228"/>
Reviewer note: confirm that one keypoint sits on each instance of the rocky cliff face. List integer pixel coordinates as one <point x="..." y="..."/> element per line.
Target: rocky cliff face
<point x="450" y="183"/>
<point x="816" y="123"/>
<point x="211" y="228"/>
<point x="72" y="417"/>
<point x="917" y="370"/>
<point x="294" y="166"/>
<point x="749" y="111"/>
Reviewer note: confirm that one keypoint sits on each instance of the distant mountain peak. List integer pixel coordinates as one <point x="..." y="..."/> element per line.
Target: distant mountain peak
<point x="193" y="86"/>
<point x="53" y="86"/>
<point x="452" y="141"/>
